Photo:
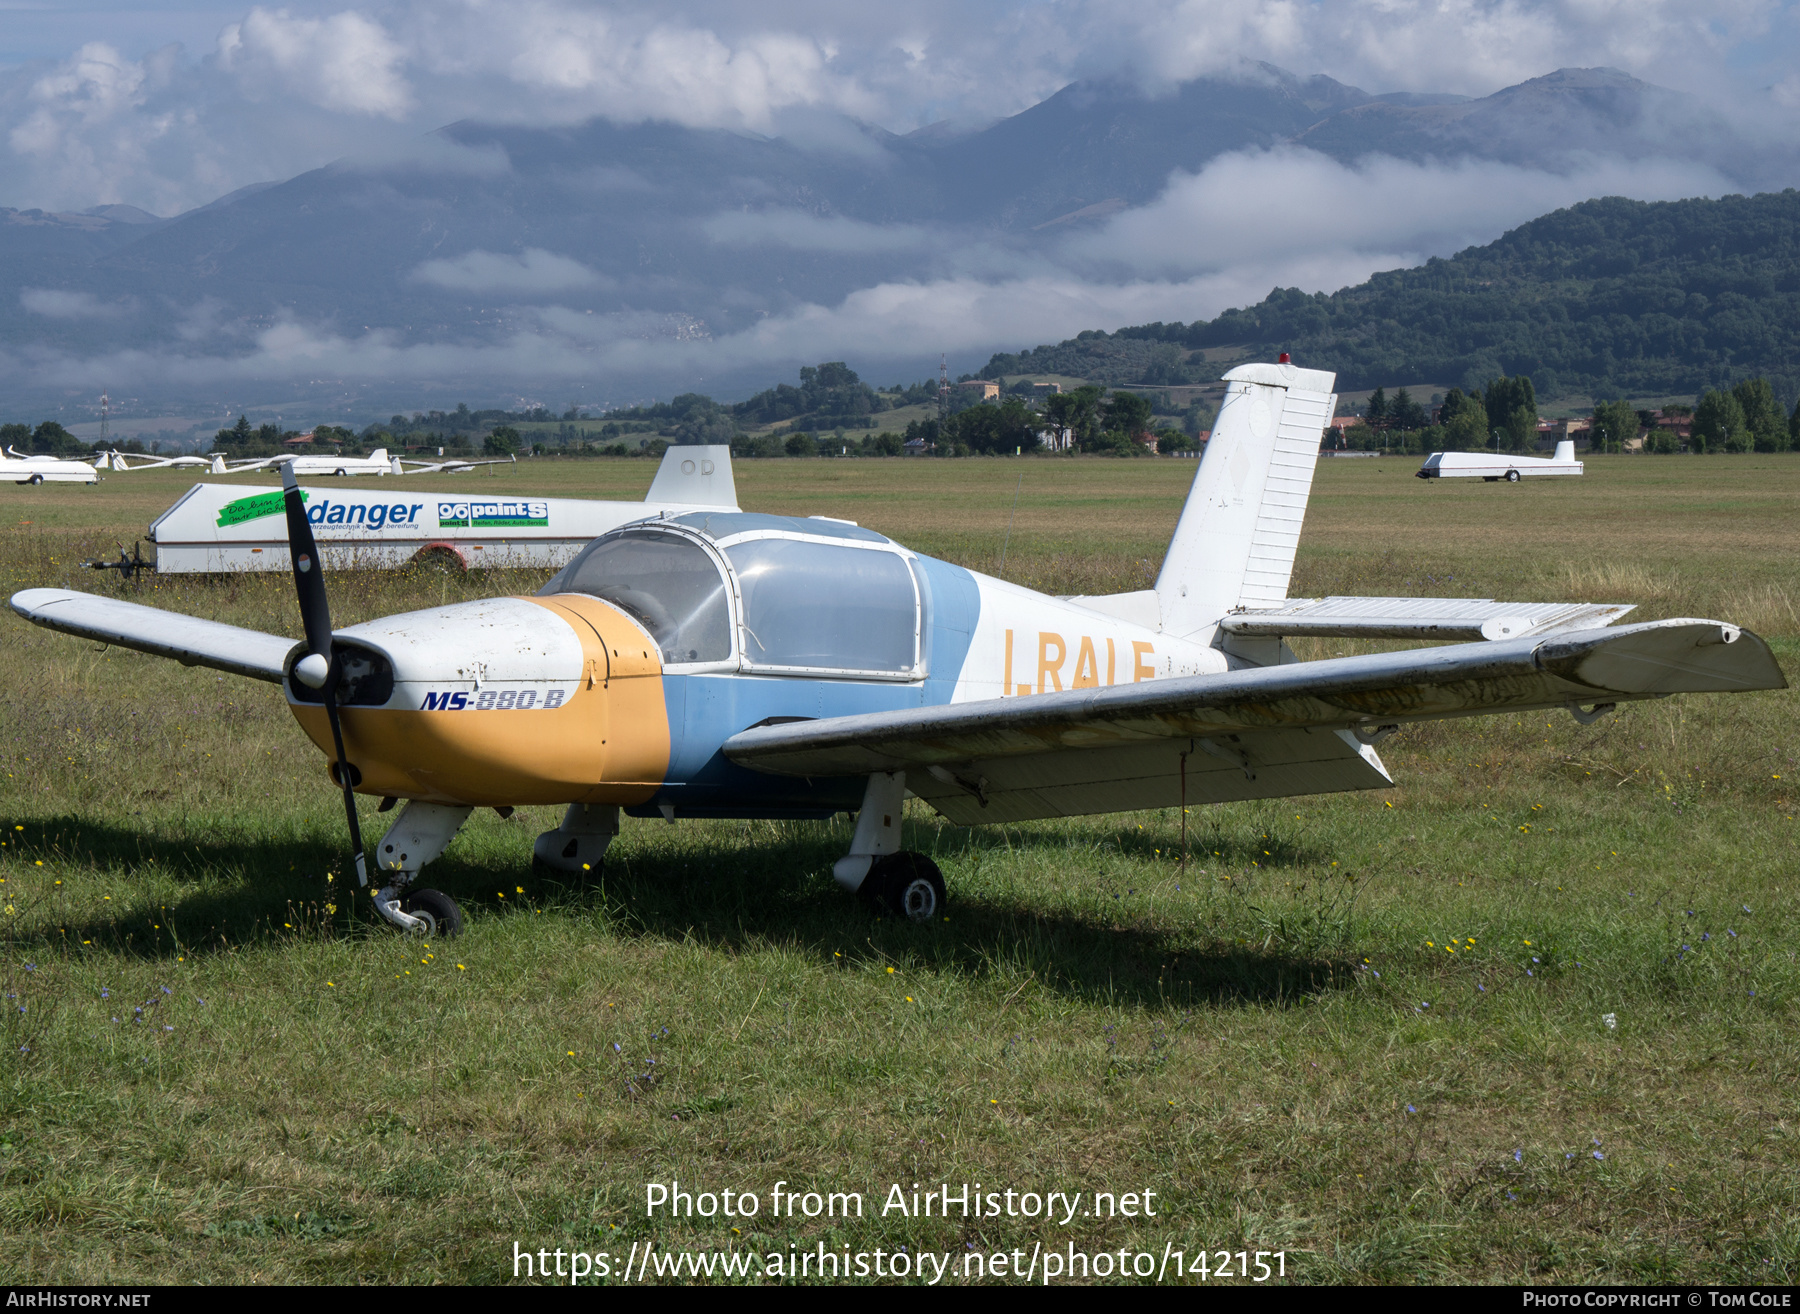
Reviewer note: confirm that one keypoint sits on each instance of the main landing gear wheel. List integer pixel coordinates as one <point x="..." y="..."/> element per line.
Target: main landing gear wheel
<point x="436" y="909"/>
<point x="908" y="885"/>
<point x="1512" y="476"/>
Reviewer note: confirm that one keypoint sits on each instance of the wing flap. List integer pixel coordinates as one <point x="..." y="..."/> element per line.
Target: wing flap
<point x="1161" y="773"/>
<point x="1637" y="661"/>
<point x="1457" y="619"/>
<point x="187" y="639"/>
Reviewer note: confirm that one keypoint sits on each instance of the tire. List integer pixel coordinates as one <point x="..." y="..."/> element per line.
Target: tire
<point x="439" y="560"/>
<point x="37" y="479"/>
<point x="1512" y="476"/>
<point x="343" y="474"/>
<point x="908" y="885"/>
<point x="436" y="909"/>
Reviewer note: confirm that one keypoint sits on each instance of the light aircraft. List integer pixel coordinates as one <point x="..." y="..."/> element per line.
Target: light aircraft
<point x="728" y="664"/>
<point x="25" y="469"/>
<point x="1495" y="466"/>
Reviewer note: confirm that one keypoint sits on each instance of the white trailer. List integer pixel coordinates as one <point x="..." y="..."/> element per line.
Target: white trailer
<point x="225" y="527"/>
<point x="1495" y="466"/>
<point x="46" y="469"/>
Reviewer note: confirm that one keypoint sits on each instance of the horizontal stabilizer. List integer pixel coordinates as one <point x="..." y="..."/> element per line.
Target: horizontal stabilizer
<point x="1454" y="619"/>
<point x="188" y="640"/>
<point x="1302" y="727"/>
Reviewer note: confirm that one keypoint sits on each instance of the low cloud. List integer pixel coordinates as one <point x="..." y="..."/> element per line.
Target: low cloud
<point x="1220" y="238"/>
<point x="796" y="230"/>
<point x="1259" y="207"/>
<point x="530" y="273"/>
<point x="61" y="305"/>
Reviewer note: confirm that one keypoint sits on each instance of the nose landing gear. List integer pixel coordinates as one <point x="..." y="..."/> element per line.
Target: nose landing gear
<point x="419" y="834"/>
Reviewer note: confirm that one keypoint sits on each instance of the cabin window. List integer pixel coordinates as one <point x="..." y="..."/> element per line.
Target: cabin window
<point x="670" y="586"/>
<point x="819" y="606"/>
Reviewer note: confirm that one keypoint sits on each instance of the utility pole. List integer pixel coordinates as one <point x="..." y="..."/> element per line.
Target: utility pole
<point x="943" y="389"/>
<point x="105" y="431"/>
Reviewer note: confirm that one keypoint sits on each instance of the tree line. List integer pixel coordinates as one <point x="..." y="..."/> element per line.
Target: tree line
<point x="1503" y="416"/>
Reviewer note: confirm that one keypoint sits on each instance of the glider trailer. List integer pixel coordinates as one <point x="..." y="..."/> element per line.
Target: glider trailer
<point x="1492" y="467"/>
<point x="725" y="664"/>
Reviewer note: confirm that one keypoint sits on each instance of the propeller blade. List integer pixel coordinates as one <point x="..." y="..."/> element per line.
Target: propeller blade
<point x="320" y="668"/>
<point x="309" y="577"/>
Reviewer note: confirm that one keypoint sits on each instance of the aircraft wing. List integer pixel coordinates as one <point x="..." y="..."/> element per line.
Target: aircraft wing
<point x="1263" y="732"/>
<point x="453" y="465"/>
<point x="188" y="640"/>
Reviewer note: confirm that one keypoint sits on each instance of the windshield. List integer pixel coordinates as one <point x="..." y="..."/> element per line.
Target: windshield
<point x="819" y="606"/>
<point x="667" y="584"/>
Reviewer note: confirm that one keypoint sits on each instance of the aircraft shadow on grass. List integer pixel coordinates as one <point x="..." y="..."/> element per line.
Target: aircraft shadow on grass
<point x="735" y="897"/>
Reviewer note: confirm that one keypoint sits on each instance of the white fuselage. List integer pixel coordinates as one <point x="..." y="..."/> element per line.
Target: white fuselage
<point x="1031" y="643"/>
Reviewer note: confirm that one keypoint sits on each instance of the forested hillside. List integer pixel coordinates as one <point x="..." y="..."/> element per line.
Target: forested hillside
<point x="1611" y="297"/>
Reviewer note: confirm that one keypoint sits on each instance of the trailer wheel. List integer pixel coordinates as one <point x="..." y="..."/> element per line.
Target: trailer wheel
<point x="439" y="558"/>
<point x="37" y="479"/>
<point x="1512" y="476"/>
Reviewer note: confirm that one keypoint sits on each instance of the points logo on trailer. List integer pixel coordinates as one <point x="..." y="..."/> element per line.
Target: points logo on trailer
<point x="492" y="513"/>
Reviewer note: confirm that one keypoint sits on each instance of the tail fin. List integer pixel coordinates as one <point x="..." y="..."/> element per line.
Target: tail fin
<point x="695" y="476"/>
<point x="1234" y="545"/>
<point x="1565" y="451"/>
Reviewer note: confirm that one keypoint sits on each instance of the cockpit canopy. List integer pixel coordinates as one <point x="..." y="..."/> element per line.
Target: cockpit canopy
<point x="811" y="597"/>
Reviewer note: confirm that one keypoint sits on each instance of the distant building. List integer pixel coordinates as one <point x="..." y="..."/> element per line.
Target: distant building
<point x="1680" y="426"/>
<point x="1576" y="430"/>
<point x="1046" y="389"/>
<point x="299" y="439"/>
<point x="990" y="391"/>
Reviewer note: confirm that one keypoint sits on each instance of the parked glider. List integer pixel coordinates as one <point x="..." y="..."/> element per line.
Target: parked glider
<point x="123" y="461"/>
<point x="724" y="664"/>
<point x="377" y="462"/>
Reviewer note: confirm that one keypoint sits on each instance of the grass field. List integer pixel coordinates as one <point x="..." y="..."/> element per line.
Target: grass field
<point x="1370" y="1031"/>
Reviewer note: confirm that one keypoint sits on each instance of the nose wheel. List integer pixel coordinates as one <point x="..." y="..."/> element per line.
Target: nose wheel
<point x="907" y="885"/>
<point x="437" y="912"/>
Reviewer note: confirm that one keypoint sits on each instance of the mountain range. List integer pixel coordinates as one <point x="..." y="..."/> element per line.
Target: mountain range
<point x="666" y="233"/>
<point x="1610" y="298"/>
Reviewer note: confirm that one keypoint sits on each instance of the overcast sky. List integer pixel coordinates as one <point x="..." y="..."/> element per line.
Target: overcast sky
<point x="169" y="106"/>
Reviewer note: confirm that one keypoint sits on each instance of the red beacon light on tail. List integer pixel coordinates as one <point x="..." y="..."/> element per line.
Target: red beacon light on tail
<point x="1285" y="359"/>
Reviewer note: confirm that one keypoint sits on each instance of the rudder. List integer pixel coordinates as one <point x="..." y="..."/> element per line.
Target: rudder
<point x="1234" y="544"/>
